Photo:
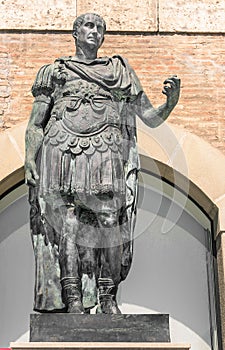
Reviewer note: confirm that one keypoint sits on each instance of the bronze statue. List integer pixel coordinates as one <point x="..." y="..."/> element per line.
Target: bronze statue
<point x="81" y="167"/>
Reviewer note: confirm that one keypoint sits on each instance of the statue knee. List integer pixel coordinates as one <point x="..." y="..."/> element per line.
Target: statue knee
<point x="108" y="219"/>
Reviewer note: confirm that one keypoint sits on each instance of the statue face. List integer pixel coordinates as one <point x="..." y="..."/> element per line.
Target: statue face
<point x="91" y="32"/>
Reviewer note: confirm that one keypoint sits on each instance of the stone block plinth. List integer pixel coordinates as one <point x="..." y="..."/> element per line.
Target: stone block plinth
<point x="99" y="328"/>
<point x="99" y="346"/>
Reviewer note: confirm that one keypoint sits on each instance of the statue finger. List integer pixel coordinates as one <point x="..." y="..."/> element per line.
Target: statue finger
<point x="176" y="80"/>
<point x="171" y="82"/>
<point x="166" y="90"/>
<point x="35" y="174"/>
<point x="30" y="181"/>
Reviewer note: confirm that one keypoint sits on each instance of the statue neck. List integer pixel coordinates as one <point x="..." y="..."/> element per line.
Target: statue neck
<point x="86" y="54"/>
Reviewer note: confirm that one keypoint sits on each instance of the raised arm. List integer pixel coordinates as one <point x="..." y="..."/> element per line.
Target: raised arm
<point x="153" y="117"/>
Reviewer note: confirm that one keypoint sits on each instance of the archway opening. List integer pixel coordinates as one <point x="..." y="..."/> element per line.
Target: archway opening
<point x="172" y="271"/>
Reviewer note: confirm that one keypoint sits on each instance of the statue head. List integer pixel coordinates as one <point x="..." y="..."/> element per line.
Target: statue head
<point x="91" y="22"/>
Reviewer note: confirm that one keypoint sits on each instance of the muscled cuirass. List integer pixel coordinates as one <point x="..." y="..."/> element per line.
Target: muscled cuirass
<point x="84" y="118"/>
<point x="83" y="106"/>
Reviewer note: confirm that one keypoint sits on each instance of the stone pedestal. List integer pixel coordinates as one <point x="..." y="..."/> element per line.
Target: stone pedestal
<point x="99" y="346"/>
<point x="99" y="328"/>
<point x="102" y="332"/>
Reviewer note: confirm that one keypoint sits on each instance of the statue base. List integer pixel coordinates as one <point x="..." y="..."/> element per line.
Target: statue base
<point x="98" y="346"/>
<point x="99" y="328"/>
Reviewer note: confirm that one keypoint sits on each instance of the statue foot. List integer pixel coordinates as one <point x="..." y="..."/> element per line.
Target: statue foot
<point x="75" y="307"/>
<point x="71" y="295"/>
<point x="108" y="307"/>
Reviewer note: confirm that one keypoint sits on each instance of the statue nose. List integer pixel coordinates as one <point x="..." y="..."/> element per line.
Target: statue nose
<point x="94" y="29"/>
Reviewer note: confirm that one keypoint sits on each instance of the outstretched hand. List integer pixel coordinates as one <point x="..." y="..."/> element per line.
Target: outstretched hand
<point x="172" y="90"/>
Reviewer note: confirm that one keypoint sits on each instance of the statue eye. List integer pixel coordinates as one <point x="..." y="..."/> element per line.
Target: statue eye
<point x="89" y="24"/>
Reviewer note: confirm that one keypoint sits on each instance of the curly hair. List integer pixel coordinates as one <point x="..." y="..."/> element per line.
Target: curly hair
<point x="80" y="19"/>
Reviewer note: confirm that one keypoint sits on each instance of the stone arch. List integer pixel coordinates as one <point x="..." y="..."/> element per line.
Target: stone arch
<point x="12" y="157"/>
<point x="189" y="159"/>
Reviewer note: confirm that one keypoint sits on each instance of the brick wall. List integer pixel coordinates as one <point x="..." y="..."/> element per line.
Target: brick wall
<point x="199" y="60"/>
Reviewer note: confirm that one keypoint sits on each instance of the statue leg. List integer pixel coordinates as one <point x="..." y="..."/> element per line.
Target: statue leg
<point x="110" y="260"/>
<point x="70" y="263"/>
<point x="88" y="248"/>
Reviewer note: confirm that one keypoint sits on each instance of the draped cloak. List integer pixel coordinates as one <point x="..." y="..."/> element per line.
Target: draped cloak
<point x="111" y="75"/>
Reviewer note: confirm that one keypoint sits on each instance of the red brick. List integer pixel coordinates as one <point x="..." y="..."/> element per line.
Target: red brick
<point x="198" y="60"/>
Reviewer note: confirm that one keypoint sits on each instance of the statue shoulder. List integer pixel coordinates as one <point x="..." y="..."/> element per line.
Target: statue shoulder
<point x="120" y="59"/>
<point x="123" y="61"/>
<point x="130" y="76"/>
<point x="43" y="83"/>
